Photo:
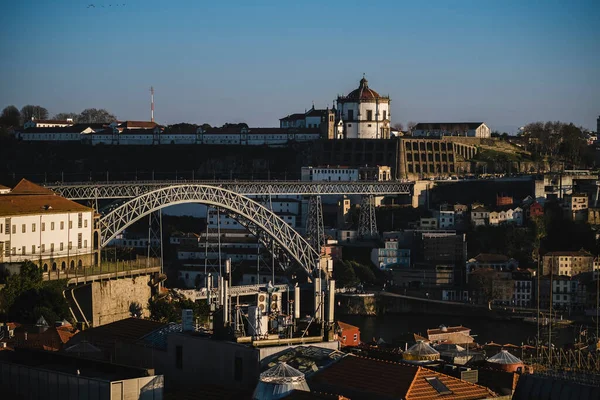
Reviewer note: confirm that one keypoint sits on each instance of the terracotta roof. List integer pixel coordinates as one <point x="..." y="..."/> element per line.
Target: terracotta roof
<point x="127" y="330"/>
<point x="491" y="258"/>
<point x="11" y="204"/>
<point x="137" y="124"/>
<point x="51" y="339"/>
<point x="27" y="187"/>
<point x="344" y="326"/>
<point x="363" y="92"/>
<point x="365" y="378"/>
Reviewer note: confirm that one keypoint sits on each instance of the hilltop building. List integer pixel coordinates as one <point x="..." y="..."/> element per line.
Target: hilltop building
<point x="363" y="114"/>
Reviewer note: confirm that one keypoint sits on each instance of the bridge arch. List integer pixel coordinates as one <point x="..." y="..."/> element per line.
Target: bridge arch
<point x="284" y="235"/>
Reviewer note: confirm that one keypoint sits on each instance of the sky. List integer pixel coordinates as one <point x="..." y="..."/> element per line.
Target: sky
<point x="506" y="63"/>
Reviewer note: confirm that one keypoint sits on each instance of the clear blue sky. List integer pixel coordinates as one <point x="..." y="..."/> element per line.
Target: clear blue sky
<point x="503" y="62"/>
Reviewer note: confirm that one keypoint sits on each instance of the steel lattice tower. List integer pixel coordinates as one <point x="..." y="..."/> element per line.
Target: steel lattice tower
<point x="315" y="230"/>
<point x="367" y="223"/>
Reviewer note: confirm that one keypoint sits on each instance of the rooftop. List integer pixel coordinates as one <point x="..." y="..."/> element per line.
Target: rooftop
<point x="366" y="378"/>
<point x="55" y="361"/>
<point x="29" y="198"/>
<point x="446" y="125"/>
<point x="448" y="329"/>
<point x="128" y="330"/>
<point x="578" y="253"/>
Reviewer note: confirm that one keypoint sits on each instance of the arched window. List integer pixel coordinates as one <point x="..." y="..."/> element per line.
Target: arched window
<point x="53" y="266"/>
<point x="63" y="265"/>
<point x="45" y="267"/>
<point x="80" y="263"/>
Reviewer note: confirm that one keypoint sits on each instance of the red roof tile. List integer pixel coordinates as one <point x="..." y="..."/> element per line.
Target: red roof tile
<point x="449" y="329"/>
<point x="26" y="187"/>
<point x="358" y="377"/>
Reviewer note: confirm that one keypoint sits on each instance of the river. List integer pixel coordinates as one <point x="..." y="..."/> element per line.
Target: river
<point x="397" y="328"/>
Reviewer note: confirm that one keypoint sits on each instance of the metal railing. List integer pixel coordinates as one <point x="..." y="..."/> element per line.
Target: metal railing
<point x="105" y="270"/>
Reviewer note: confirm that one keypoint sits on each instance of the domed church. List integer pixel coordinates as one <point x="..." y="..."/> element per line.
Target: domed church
<point x="363" y="114"/>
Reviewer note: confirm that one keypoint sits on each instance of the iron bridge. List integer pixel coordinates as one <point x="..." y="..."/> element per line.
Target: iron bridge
<point x="131" y="189"/>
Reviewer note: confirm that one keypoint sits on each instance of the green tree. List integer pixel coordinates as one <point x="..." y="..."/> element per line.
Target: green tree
<point x="10" y="116"/>
<point x="96" y="116"/>
<point x="66" y="116"/>
<point x="26" y="297"/>
<point x="30" y="111"/>
<point x="344" y="274"/>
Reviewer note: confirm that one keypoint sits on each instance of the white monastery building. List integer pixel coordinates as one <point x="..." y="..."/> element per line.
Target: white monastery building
<point x="47" y="229"/>
<point x="363" y="114"/>
<point x="438" y="129"/>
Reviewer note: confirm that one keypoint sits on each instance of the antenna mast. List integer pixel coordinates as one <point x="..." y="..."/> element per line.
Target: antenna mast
<point x="152" y="103"/>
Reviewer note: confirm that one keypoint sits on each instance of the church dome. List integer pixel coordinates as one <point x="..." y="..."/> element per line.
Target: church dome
<point x="363" y="92"/>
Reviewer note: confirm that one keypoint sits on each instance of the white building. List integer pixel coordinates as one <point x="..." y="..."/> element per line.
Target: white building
<point x="329" y="174"/>
<point x="445" y="218"/>
<point x="438" y="129"/>
<point x="363" y="114"/>
<point x="40" y="226"/>
<point x="48" y="123"/>
<point x="69" y="133"/>
<point x="507" y="216"/>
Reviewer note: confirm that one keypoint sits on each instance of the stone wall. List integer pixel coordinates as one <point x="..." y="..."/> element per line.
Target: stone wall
<point x="110" y="300"/>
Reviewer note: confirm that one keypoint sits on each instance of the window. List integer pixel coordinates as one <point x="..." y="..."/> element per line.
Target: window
<point x="14" y="229"/>
<point x="70" y="245"/>
<point x="7" y="248"/>
<point x="62" y="225"/>
<point x="70" y="224"/>
<point x="369" y="115"/>
<point x="79" y="240"/>
<point x="85" y="244"/>
<point x="85" y="223"/>
<point x="344" y="338"/>
<point x="51" y="226"/>
<point x="79" y="220"/>
<point x="438" y="385"/>
<point x="23" y="229"/>
<point x="179" y="357"/>
<point x="7" y="224"/>
<point x="33" y="249"/>
<point x="62" y="246"/>
<point x="238" y="369"/>
<point x="43" y="226"/>
<point x="51" y="247"/>
<point x="356" y="337"/>
<point x="14" y="251"/>
<point x="32" y="227"/>
<point x="43" y="248"/>
<point x="384" y="114"/>
<point x="23" y="250"/>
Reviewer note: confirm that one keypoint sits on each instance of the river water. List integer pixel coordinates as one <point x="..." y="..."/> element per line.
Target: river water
<point x="398" y="328"/>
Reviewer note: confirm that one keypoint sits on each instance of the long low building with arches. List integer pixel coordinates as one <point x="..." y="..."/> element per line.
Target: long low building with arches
<point x="38" y="225"/>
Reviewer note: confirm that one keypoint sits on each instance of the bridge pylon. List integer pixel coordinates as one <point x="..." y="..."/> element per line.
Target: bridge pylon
<point x="315" y="230"/>
<point x="367" y="222"/>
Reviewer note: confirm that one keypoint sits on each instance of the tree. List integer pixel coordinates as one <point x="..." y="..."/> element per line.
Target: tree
<point x="398" y="126"/>
<point x="10" y="116"/>
<point x="96" y="116"/>
<point x="66" y="116"/>
<point x="36" y="112"/>
<point x="26" y="297"/>
<point x="344" y="274"/>
<point x="182" y="127"/>
<point x="411" y="125"/>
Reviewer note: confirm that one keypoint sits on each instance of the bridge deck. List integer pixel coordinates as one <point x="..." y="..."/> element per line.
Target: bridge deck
<point x="130" y="189"/>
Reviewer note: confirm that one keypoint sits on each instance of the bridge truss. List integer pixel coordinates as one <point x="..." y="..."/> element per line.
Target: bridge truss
<point x="131" y="189"/>
<point x="258" y="218"/>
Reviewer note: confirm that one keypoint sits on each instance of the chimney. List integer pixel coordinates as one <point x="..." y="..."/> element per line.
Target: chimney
<point x="25" y="335"/>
